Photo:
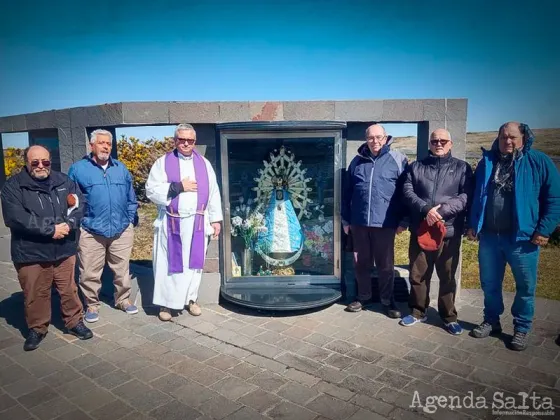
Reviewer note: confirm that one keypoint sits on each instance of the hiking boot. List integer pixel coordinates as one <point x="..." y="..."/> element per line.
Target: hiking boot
<point x="194" y="309"/>
<point x="391" y="310"/>
<point x="453" y="328"/>
<point x="519" y="341"/>
<point x="164" y="314"/>
<point x="485" y="329"/>
<point x="33" y="340"/>
<point x="81" y="331"/>
<point x="92" y="314"/>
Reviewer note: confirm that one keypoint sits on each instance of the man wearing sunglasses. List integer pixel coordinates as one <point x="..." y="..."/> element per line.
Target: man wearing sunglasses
<point x="107" y="232"/>
<point x="516" y="207"/>
<point x="437" y="191"/>
<point x="43" y="209"/>
<point x="183" y="185"/>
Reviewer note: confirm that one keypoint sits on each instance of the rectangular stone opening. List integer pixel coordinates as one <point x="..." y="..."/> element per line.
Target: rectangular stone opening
<point x="13" y="145"/>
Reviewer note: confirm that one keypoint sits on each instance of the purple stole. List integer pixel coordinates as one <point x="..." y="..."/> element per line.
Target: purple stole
<point x="174" y="244"/>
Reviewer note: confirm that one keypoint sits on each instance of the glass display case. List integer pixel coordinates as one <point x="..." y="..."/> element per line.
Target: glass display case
<point x="281" y="194"/>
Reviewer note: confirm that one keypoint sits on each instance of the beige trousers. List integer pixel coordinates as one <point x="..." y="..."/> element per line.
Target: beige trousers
<point x="93" y="252"/>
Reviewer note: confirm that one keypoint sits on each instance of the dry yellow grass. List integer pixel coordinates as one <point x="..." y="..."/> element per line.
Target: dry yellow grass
<point x="144" y="233"/>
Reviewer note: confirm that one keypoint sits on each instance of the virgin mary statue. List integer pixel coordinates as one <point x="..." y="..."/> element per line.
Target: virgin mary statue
<point x="282" y="182"/>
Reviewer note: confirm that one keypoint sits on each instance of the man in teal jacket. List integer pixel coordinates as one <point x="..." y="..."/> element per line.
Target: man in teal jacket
<point x="516" y="207"/>
<point x="107" y="232"/>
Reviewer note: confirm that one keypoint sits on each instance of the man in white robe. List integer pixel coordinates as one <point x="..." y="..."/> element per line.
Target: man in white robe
<point x="184" y="187"/>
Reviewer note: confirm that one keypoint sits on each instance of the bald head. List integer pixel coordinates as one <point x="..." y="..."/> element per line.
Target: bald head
<point x="33" y="149"/>
<point x="38" y="161"/>
<point x="440" y="142"/>
<point x="376" y="138"/>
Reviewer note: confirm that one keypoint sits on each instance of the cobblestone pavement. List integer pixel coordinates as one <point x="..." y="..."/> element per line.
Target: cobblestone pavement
<point x="235" y="364"/>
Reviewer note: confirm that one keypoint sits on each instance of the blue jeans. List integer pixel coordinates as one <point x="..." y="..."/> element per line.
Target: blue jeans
<point x="523" y="257"/>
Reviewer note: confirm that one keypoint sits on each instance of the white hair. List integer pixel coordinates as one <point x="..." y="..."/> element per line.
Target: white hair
<point x="94" y="134"/>
<point x="182" y="127"/>
<point x="378" y="125"/>
<point x="444" y="130"/>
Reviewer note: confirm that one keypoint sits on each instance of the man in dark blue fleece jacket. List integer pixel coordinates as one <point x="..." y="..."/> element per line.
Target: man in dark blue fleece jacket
<point x="371" y="210"/>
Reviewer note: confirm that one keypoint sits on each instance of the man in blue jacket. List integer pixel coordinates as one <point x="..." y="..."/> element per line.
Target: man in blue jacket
<point x="516" y="207"/>
<point x="107" y="232"/>
<point x="372" y="212"/>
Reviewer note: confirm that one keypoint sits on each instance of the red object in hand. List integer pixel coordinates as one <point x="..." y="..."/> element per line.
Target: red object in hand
<point x="71" y="200"/>
<point x="431" y="237"/>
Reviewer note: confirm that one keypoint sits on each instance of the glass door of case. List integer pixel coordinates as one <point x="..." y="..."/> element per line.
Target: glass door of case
<point x="281" y="194"/>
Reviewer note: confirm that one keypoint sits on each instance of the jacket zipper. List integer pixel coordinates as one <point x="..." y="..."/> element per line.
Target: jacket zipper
<point x="110" y="204"/>
<point x="370" y="188"/>
<point x="40" y="201"/>
<point x="54" y="213"/>
<point x="436" y="184"/>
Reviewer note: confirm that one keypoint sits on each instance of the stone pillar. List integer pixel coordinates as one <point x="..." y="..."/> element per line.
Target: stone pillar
<point x="80" y="143"/>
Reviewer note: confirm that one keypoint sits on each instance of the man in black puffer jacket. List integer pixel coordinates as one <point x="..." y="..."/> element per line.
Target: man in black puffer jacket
<point x="437" y="189"/>
<point x="43" y="209"/>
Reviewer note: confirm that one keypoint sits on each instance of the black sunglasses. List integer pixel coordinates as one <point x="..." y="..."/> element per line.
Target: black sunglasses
<point x="35" y="163"/>
<point x="440" y="141"/>
<point x="189" y="141"/>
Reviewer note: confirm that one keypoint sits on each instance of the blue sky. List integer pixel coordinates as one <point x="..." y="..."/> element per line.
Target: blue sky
<point x="501" y="55"/>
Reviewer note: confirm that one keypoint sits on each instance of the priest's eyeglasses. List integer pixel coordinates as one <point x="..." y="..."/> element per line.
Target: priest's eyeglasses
<point x="182" y="140"/>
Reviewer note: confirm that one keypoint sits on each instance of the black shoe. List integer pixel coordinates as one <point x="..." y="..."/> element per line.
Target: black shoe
<point x="81" y="331"/>
<point x="391" y="310"/>
<point x="356" y="306"/>
<point x="485" y="329"/>
<point x="558" y="340"/>
<point x="33" y="340"/>
<point x="519" y="341"/>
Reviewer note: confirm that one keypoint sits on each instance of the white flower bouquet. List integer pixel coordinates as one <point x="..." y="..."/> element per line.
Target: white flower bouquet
<point x="247" y="222"/>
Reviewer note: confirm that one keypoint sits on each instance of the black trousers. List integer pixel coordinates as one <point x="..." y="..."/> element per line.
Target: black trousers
<point x="377" y="245"/>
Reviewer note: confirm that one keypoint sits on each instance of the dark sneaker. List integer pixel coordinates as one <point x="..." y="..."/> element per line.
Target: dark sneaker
<point x="356" y="306"/>
<point x="519" y="341"/>
<point x="81" y="331"/>
<point x="485" y="329"/>
<point x="392" y="311"/>
<point x="558" y="340"/>
<point x="453" y="328"/>
<point x="33" y="340"/>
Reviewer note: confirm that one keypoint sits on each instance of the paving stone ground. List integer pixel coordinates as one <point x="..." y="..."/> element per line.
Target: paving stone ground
<point x="232" y="364"/>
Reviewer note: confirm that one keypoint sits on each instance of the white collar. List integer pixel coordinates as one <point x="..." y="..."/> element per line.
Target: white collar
<point x="182" y="156"/>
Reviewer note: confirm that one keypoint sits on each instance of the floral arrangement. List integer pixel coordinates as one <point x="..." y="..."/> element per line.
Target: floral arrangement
<point x="247" y="222"/>
<point x="318" y="238"/>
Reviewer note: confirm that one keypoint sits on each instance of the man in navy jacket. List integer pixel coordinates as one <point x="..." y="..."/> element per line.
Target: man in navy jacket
<point x="107" y="232"/>
<point x="372" y="211"/>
